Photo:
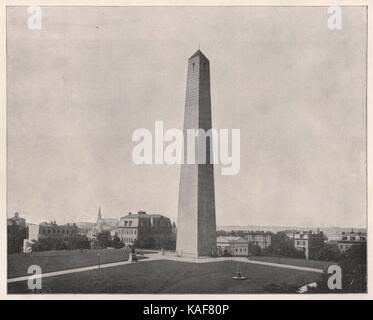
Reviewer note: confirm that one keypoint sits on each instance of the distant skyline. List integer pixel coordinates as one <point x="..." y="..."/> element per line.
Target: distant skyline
<point x="78" y="88"/>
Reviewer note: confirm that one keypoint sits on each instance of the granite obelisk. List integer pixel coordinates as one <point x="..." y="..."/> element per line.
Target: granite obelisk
<point x="196" y="223"/>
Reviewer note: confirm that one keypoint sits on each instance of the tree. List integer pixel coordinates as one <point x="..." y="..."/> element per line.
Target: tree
<point x="45" y="244"/>
<point x="282" y="245"/>
<point x="329" y="252"/>
<point x="353" y="263"/>
<point x="103" y="239"/>
<point x="16" y="235"/>
<point x="147" y="242"/>
<point x="50" y="243"/>
<point x="116" y="242"/>
<point x="79" y="242"/>
<point x="255" y="250"/>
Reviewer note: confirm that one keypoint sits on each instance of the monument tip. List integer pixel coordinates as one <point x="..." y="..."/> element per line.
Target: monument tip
<point x="198" y="53"/>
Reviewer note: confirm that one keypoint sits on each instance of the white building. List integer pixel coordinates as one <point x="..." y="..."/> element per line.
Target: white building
<point x="349" y="239"/>
<point x="234" y="246"/>
<point x="259" y="238"/>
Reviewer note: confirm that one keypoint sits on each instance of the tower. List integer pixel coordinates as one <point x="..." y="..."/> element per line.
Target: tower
<point x="196" y="225"/>
<point x="99" y="215"/>
<point x="99" y="221"/>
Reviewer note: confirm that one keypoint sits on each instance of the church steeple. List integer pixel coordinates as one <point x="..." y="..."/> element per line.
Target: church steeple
<point x="99" y="216"/>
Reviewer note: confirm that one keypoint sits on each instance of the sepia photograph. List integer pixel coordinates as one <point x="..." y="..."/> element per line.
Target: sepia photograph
<point x="186" y="150"/>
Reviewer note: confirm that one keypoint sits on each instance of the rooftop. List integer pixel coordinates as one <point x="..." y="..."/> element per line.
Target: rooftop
<point x="230" y="239"/>
<point x="143" y="214"/>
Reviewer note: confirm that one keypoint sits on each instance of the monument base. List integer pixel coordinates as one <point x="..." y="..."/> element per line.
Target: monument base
<point x="188" y="254"/>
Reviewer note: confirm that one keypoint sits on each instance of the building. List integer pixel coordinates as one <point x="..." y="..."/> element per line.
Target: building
<point x="16" y="233"/>
<point x="196" y="224"/>
<point x="16" y="220"/>
<point x="84" y="227"/>
<point x="56" y="231"/>
<point x="291" y="233"/>
<point x="349" y="239"/>
<point x="144" y="229"/>
<point x="309" y="242"/>
<point x="101" y="225"/>
<point x="32" y="232"/>
<point x="259" y="238"/>
<point x="232" y="246"/>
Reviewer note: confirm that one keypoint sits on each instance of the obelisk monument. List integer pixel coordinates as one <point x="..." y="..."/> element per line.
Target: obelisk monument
<point x="196" y="223"/>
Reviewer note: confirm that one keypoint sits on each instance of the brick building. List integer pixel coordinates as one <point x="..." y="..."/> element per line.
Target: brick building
<point x="53" y="230"/>
<point x="139" y="228"/>
<point x="16" y="233"/>
<point x="259" y="238"/>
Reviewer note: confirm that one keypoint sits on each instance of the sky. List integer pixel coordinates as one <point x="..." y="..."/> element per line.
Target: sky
<point x="80" y="86"/>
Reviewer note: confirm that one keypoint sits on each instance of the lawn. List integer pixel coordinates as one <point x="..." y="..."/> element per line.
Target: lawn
<point x="295" y="262"/>
<point x="49" y="261"/>
<point x="172" y="277"/>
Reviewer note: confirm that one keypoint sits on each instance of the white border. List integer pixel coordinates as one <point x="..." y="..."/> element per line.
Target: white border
<point x="3" y="249"/>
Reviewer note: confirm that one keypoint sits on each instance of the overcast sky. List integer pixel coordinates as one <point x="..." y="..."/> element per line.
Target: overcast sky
<point x="78" y="88"/>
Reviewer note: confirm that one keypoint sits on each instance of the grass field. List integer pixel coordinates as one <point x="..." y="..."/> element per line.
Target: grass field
<point x="172" y="277"/>
<point x="59" y="260"/>
<point x="295" y="262"/>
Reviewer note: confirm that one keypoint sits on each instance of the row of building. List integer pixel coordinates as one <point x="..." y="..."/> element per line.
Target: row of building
<point x="130" y="228"/>
<point x="137" y="227"/>
<point x="307" y="242"/>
